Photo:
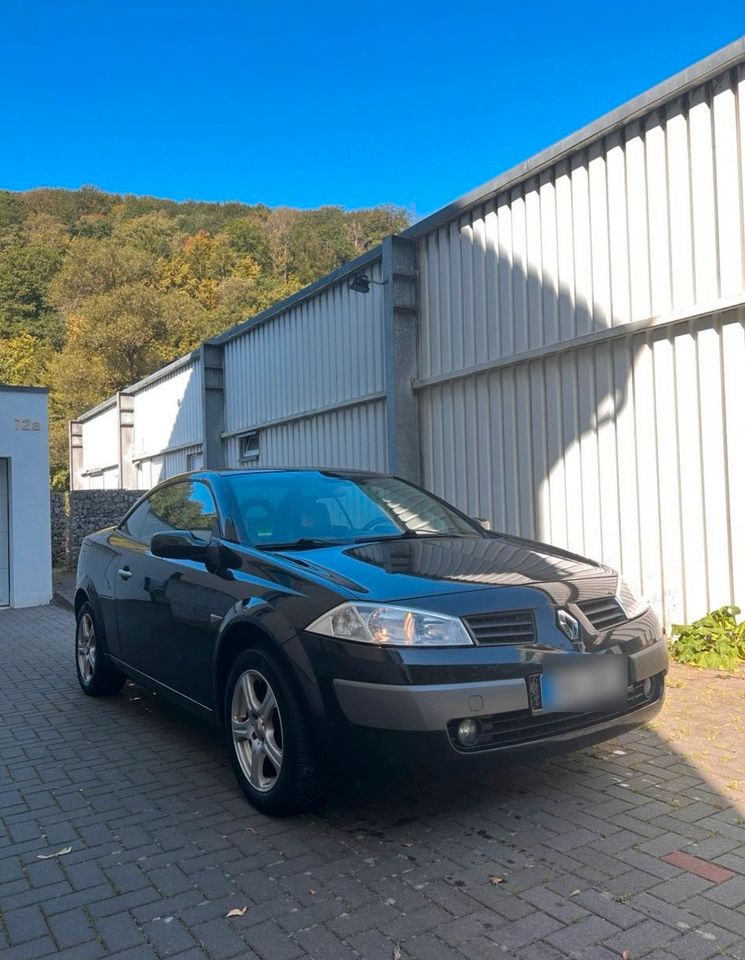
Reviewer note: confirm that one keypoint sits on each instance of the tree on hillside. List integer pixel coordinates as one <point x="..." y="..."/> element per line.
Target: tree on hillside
<point x="93" y="267"/>
<point x="24" y="360"/>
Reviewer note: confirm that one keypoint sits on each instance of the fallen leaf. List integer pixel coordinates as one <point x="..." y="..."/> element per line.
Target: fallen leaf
<point x="574" y="893"/>
<point x="397" y="952"/>
<point x="625" y="955"/>
<point x="57" y="853"/>
<point x="495" y="880"/>
<point x="236" y="912"/>
<point x="312" y="892"/>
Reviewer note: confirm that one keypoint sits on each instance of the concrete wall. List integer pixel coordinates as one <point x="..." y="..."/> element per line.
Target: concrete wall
<point x="24" y="442"/>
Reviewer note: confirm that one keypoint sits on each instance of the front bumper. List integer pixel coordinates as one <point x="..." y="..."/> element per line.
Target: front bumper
<point x="501" y="707"/>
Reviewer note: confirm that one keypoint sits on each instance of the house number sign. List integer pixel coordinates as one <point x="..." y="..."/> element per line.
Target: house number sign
<point x="25" y="423"/>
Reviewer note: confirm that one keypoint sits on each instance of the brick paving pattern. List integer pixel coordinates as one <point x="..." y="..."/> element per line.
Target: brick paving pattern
<point x="562" y="858"/>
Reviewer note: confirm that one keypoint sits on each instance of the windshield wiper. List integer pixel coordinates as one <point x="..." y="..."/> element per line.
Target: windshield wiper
<point x="411" y="535"/>
<point x="302" y="544"/>
<point x="305" y="543"/>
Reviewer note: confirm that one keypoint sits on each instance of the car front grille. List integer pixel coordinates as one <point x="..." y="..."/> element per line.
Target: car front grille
<point x="523" y="727"/>
<point x="603" y="613"/>
<point x="515" y="626"/>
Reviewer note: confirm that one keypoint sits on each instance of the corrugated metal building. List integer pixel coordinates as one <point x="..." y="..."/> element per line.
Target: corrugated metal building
<point x="561" y="351"/>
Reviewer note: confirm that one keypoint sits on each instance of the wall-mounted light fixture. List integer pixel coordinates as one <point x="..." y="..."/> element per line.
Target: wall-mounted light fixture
<point x="360" y="282"/>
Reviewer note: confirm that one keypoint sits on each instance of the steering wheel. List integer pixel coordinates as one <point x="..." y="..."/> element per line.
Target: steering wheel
<point x="253" y="522"/>
<point x="265" y="505"/>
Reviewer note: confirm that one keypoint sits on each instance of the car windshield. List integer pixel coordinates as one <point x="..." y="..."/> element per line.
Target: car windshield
<point x="310" y="508"/>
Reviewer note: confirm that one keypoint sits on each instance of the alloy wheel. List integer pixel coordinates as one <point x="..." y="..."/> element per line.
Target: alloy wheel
<point x="257" y="730"/>
<point x="86" y="647"/>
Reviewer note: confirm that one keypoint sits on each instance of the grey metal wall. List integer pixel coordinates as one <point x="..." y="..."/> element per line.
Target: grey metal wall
<point x="312" y="379"/>
<point x="354" y="436"/>
<point x="579" y="350"/>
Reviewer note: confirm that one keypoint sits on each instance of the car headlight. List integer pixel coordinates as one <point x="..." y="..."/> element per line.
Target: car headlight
<point x="391" y="626"/>
<point x="632" y="603"/>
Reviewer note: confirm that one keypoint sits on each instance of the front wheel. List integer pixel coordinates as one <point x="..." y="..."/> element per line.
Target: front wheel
<point x="269" y="737"/>
<point x="96" y="675"/>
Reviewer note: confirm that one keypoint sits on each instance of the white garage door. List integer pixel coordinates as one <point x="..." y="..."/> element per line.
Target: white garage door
<point x="4" y="536"/>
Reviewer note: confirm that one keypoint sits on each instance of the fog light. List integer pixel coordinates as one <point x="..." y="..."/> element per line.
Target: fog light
<point x="647" y="688"/>
<point x="468" y="732"/>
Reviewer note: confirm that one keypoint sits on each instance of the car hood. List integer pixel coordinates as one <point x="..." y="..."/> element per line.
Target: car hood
<point x="406" y="569"/>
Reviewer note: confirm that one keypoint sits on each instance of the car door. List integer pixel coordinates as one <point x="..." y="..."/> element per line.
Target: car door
<point x="163" y="605"/>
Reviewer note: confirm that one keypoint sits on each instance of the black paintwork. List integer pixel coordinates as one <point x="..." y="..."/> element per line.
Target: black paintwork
<point x="175" y="623"/>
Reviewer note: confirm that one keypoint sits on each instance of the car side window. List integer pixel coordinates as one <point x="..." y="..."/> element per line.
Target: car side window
<point x="133" y="524"/>
<point x="187" y="505"/>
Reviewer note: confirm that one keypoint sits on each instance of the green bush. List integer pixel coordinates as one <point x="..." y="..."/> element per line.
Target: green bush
<point x="716" y="640"/>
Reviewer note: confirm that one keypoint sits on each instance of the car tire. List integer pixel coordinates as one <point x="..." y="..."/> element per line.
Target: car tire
<point x="269" y="737"/>
<point x="97" y="676"/>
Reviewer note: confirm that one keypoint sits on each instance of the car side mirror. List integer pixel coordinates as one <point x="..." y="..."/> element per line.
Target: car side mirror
<point x="178" y="545"/>
<point x="486" y="524"/>
<point x="183" y="545"/>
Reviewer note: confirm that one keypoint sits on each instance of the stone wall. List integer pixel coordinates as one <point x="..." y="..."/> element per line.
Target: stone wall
<point x="80" y="512"/>
<point x="60" y="528"/>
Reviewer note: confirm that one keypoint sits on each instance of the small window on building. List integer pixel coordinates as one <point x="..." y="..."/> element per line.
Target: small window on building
<point x="249" y="446"/>
<point x="194" y="461"/>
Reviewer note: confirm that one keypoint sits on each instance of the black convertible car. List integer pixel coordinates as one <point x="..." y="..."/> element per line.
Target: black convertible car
<point x="297" y="607"/>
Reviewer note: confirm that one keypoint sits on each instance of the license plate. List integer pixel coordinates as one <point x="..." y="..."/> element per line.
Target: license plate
<point x="588" y="682"/>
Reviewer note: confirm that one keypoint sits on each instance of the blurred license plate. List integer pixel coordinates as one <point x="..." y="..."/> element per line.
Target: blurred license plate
<point x="586" y="682"/>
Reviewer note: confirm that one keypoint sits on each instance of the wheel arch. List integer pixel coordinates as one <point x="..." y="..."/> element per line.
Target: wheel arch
<point x="245" y="634"/>
<point x="81" y="597"/>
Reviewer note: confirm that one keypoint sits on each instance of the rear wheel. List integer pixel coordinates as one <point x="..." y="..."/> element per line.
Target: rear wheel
<point x="269" y="737"/>
<point x="96" y="675"/>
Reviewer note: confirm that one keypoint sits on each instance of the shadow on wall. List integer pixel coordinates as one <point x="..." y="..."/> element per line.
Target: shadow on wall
<point x="598" y="447"/>
<point x="534" y="445"/>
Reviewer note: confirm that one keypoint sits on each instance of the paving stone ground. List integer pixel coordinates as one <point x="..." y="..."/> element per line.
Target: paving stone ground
<point x="559" y="858"/>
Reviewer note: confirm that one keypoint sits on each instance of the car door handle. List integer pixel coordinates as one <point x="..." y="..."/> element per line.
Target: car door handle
<point x="124" y="572"/>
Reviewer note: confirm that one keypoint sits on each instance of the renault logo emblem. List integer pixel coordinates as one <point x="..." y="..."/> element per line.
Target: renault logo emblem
<point x="568" y="625"/>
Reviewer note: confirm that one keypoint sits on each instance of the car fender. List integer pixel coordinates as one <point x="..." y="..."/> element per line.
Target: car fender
<point x="277" y="631"/>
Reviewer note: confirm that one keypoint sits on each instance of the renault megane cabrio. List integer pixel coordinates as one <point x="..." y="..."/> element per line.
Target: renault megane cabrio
<point x="304" y="609"/>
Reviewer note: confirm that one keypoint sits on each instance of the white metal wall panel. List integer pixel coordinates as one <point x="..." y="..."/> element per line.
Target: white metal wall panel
<point x="101" y="439"/>
<point x="325" y="350"/>
<point x="168" y="412"/>
<point x="102" y="480"/>
<point x="350" y="437"/>
<point x="623" y="451"/>
<point x="151" y="470"/>
<point x="645" y="220"/>
<point x="627" y="450"/>
<point x="178" y="461"/>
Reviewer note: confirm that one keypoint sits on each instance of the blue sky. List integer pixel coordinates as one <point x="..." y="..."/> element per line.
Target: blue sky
<point x="321" y="103"/>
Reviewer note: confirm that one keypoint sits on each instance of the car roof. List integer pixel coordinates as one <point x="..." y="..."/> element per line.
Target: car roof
<point x="253" y="471"/>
